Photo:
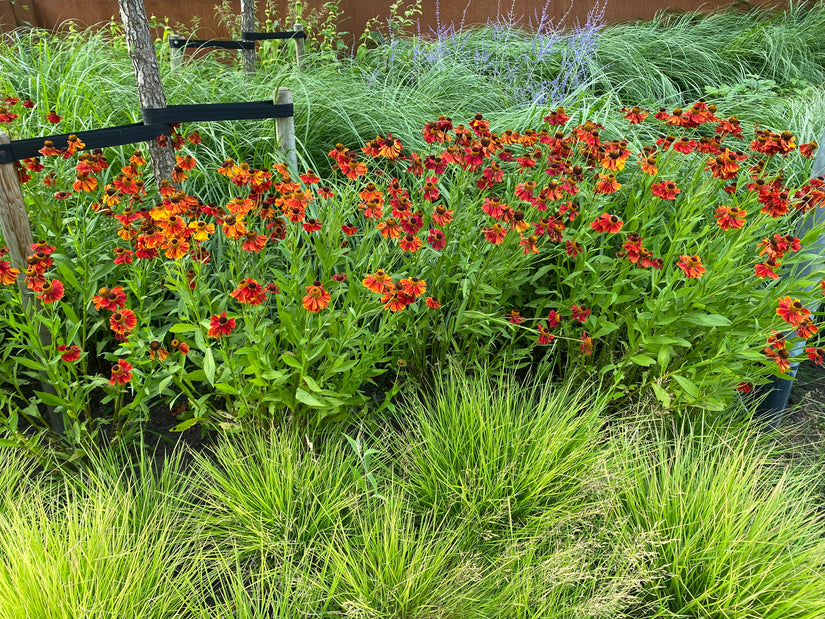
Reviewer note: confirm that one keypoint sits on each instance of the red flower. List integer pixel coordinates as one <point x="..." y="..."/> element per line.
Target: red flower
<point x="607" y="223"/>
<point x="744" y="387"/>
<point x="730" y="217"/>
<point x="316" y="298"/>
<point x="530" y="244"/>
<point x="123" y="321"/>
<point x="220" y="326"/>
<point x="433" y="303"/>
<point x="121" y="373"/>
<point x="580" y="313"/>
<point x="312" y="225"/>
<point x="782" y="358"/>
<point x="515" y="317"/>
<point x="410" y="243"/>
<point x="691" y="265"/>
<point x="70" y="353"/>
<point x="249" y="292"/>
<point x="791" y="312"/>
<point x="767" y="269"/>
<point x="436" y="239"/>
<point x="553" y="319"/>
<point x="53" y="118"/>
<point x="586" y="347"/>
<point x="666" y="190"/>
<point x="573" y="248"/>
<point x="430" y="189"/>
<point x="806" y="328"/>
<point x="545" y="337"/>
<point x="51" y="291"/>
<point x="817" y="355"/>
<point x="495" y="234"/>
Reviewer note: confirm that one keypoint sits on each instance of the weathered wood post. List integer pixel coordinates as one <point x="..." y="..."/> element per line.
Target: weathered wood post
<point x="176" y="44"/>
<point x="17" y="232"/>
<point x="248" y="25"/>
<point x="149" y="86"/>
<point x="299" y="45"/>
<point x="285" y="131"/>
<point x="14" y="221"/>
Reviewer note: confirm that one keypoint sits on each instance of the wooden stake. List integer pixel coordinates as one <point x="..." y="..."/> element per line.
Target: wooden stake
<point x="299" y="45"/>
<point x="175" y="53"/>
<point x="150" y="88"/>
<point x="248" y="25"/>
<point x="14" y="221"/>
<point x="285" y="131"/>
<point x="17" y="232"/>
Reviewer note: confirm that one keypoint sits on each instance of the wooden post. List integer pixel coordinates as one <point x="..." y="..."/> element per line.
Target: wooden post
<point x="299" y="45"/>
<point x="175" y="53"/>
<point x="285" y="131"/>
<point x="14" y="221"/>
<point x="248" y="25"/>
<point x="150" y="88"/>
<point x="17" y="232"/>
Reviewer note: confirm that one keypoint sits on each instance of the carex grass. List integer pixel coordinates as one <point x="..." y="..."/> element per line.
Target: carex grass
<point x="645" y="249"/>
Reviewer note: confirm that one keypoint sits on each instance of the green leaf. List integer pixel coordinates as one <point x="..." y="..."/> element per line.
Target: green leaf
<point x="49" y="399"/>
<point x="226" y="388"/>
<point x="182" y="328"/>
<point x="687" y="385"/>
<point x="209" y="366"/>
<point x="663" y="358"/>
<point x="30" y="363"/>
<point x="661" y="395"/>
<point x="706" y="320"/>
<point x="642" y="360"/>
<point x="185" y="425"/>
<point x="605" y="327"/>
<point x="308" y="399"/>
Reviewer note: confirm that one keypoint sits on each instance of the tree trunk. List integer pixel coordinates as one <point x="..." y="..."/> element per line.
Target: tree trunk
<point x="248" y="25"/>
<point x="150" y="88"/>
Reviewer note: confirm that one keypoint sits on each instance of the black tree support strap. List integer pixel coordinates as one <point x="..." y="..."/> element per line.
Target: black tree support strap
<point x="97" y="138"/>
<point x="216" y="111"/>
<point x="265" y="36"/>
<point x="193" y="43"/>
<point x="156" y="123"/>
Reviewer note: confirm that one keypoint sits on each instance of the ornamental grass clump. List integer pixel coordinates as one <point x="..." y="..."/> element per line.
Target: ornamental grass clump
<point x="645" y="249"/>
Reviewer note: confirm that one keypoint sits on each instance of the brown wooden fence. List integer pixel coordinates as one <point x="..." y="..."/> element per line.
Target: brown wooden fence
<point x="51" y="13"/>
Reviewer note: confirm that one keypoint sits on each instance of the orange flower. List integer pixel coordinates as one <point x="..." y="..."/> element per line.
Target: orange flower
<point x="121" y="373"/>
<point x="396" y="300"/>
<point x="791" y="312"/>
<point x="607" y="223"/>
<point x="607" y="184"/>
<point x="389" y="228"/>
<point x="433" y="303"/>
<point x="379" y="282"/>
<point x="530" y="244"/>
<point x="249" y="292"/>
<point x="441" y="216"/>
<point x="234" y="227"/>
<point x="176" y="248"/>
<point x="8" y="274"/>
<point x="85" y="182"/>
<point x="691" y="265"/>
<point x="253" y="242"/>
<point x="413" y="286"/>
<point x="316" y="298"/>
<point x="806" y="328"/>
<point x="202" y="230"/>
<point x="410" y="243"/>
<point x="157" y="351"/>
